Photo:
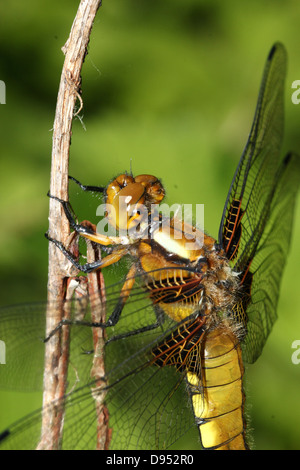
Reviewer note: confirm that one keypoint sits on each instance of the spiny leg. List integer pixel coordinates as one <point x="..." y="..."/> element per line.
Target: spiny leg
<point x="98" y="189"/>
<point x="125" y="292"/>
<point x="114" y="318"/>
<point x="85" y="231"/>
<point x="112" y="258"/>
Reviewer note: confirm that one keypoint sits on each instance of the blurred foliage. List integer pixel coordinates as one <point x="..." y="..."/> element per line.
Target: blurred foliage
<point x="171" y="86"/>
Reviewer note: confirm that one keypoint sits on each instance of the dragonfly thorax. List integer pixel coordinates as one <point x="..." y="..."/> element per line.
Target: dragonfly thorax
<point x="188" y="276"/>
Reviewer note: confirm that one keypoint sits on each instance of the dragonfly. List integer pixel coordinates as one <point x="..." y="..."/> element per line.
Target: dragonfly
<point x="189" y="314"/>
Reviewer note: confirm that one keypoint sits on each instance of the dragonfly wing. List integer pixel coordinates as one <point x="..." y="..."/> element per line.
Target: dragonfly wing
<point x="142" y="401"/>
<point x="262" y="186"/>
<point x="247" y="204"/>
<point x="22" y="328"/>
<point x="270" y="258"/>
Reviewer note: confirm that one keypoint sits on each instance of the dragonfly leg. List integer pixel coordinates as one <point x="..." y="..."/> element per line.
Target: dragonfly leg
<point x="112" y="258"/>
<point x="124" y="294"/>
<point x="98" y="189"/>
<point x="86" y="231"/>
<point x="114" y="318"/>
<point x="67" y="321"/>
<point x="112" y="321"/>
<point x="153" y="326"/>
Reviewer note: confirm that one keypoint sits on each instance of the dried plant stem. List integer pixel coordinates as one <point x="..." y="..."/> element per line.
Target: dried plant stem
<point x="98" y="303"/>
<point x="57" y="351"/>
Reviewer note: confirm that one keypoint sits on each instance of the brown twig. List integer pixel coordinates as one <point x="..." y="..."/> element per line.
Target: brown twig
<point x="98" y="312"/>
<point x="57" y="350"/>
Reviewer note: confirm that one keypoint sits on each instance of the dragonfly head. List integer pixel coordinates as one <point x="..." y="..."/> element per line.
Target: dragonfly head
<point x="129" y="200"/>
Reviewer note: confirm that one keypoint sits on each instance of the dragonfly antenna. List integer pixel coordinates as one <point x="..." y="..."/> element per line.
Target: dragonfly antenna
<point x="131" y="167"/>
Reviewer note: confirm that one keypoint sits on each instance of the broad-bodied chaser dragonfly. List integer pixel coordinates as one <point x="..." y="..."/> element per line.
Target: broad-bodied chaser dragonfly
<point x="190" y="311"/>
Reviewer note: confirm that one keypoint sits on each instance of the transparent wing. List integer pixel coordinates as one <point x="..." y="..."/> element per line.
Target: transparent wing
<point x="257" y="218"/>
<point x="270" y="258"/>
<point x="142" y="405"/>
<point x="248" y="202"/>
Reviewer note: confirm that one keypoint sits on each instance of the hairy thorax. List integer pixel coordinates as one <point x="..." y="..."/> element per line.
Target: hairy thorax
<point x="187" y="272"/>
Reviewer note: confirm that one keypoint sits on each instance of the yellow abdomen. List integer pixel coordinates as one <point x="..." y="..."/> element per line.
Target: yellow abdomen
<point x="217" y="393"/>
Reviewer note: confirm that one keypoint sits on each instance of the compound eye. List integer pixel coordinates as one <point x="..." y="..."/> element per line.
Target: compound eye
<point x="123" y="180"/>
<point x="154" y="190"/>
<point x="156" y="193"/>
<point x="117" y="185"/>
<point x="126" y="206"/>
<point x="145" y="180"/>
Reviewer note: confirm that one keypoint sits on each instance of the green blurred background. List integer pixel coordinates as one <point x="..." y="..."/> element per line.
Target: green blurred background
<point x="172" y="86"/>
